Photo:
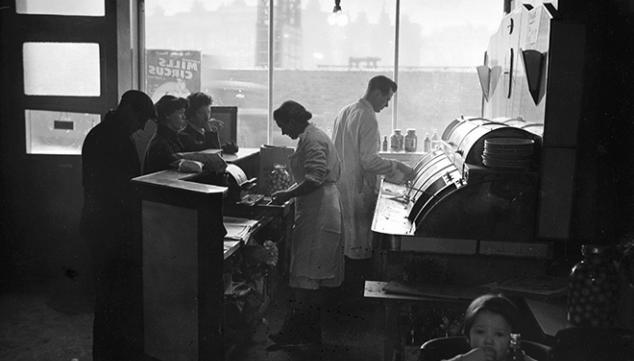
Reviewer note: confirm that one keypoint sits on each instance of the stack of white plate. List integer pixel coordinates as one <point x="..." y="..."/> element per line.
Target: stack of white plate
<point x="515" y="153"/>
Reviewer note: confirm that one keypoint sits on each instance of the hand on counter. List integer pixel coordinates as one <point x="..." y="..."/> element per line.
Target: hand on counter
<point x="280" y="197"/>
<point x="189" y="166"/>
<point x="212" y="161"/>
<point x="230" y="148"/>
<point x="407" y="170"/>
<point x="401" y="173"/>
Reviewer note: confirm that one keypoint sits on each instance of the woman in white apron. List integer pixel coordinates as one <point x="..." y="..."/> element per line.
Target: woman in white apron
<point x="317" y="243"/>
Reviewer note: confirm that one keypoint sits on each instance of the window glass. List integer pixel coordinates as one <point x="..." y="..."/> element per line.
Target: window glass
<point x="324" y="60"/>
<point x="231" y="38"/>
<point x="61" y="7"/>
<point x="438" y="53"/>
<point x="65" y="69"/>
<point x="52" y="132"/>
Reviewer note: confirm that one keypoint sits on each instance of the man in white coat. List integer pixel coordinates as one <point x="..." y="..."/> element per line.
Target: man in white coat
<point x="357" y="140"/>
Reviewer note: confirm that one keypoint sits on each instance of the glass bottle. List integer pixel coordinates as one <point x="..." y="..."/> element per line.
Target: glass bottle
<point x="411" y="141"/>
<point x="435" y="140"/>
<point x="593" y="289"/>
<point x="396" y="141"/>
<point x="515" y="348"/>
<point x="384" y="144"/>
<point x="427" y="143"/>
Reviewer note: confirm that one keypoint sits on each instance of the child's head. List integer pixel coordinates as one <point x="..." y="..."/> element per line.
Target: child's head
<point x="489" y="320"/>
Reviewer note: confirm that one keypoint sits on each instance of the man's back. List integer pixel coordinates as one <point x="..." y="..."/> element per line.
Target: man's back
<point x="356" y="138"/>
<point x="109" y="161"/>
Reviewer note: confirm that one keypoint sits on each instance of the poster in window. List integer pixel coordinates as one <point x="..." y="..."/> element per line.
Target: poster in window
<point x="172" y="72"/>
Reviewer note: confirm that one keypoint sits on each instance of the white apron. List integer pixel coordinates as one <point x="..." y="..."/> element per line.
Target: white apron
<point x="317" y="244"/>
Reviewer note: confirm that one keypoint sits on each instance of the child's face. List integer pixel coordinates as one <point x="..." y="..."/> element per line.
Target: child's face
<point x="490" y="332"/>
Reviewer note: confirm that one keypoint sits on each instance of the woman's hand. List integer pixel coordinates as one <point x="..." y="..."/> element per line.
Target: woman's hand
<point x="280" y="197"/>
<point x="215" y="125"/>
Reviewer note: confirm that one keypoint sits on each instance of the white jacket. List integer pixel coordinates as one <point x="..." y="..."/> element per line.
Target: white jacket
<point x="356" y="137"/>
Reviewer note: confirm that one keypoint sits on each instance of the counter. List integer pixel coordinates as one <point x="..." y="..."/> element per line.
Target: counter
<point x="391" y="220"/>
<point x="183" y="253"/>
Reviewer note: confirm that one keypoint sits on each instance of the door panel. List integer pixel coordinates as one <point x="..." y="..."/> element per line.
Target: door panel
<point x="42" y="194"/>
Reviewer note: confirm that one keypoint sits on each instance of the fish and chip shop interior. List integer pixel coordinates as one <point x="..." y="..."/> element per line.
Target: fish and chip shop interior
<point x="514" y="116"/>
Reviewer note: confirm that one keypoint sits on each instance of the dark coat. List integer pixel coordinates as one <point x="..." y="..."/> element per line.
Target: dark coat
<point x="109" y="161"/>
<point x="193" y="140"/>
<point x="110" y="226"/>
<point x="161" y="150"/>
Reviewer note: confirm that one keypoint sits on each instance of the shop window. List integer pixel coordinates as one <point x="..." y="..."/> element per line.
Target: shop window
<point x="440" y="46"/>
<point x="61" y="69"/>
<point x="224" y="39"/>
<point x="324" y="60"/>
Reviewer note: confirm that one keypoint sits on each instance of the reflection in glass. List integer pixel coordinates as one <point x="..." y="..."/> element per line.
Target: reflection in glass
<point x="65" y="69"/>
<point x="51" y="132"/>
<point x="61" y="7"/>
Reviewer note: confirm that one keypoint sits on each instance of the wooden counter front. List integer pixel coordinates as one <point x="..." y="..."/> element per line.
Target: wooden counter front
<point x="183" y="253"/>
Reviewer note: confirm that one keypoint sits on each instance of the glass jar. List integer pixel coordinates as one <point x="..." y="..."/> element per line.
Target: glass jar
<point x="435" y="140"/>
<point x="427" y="144"/>
<point x="396" y="141"/>
<point x="280" y="178"/>
<point x="593" y="289"/>
<point x="411" y="141"/>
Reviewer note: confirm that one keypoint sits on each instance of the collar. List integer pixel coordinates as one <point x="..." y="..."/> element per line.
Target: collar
<point x="366" y="103"/>
<point x="302" y="135"/>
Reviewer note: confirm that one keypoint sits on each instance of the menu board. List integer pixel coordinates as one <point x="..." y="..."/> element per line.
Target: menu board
<point x="173" y="72"/>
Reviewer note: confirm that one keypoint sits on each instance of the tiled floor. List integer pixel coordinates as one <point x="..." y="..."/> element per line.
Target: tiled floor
<point x="42" y="323"/>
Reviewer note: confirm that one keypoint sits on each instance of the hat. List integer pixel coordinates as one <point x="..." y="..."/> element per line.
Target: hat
<point x="140" y="102"/>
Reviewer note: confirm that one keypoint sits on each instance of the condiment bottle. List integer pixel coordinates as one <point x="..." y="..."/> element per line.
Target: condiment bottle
<point x="593" y="289"/>
<point x="515" y="348"/>
<point x="396" y="141"/>
<point x="427" y="143"/>
<point x="411" y="141"/>
<point x="435" y="140"/>
<point x="385" y="143"/>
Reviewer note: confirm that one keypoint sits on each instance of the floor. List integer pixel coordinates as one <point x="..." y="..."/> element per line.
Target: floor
<point x="53" y="322"/>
